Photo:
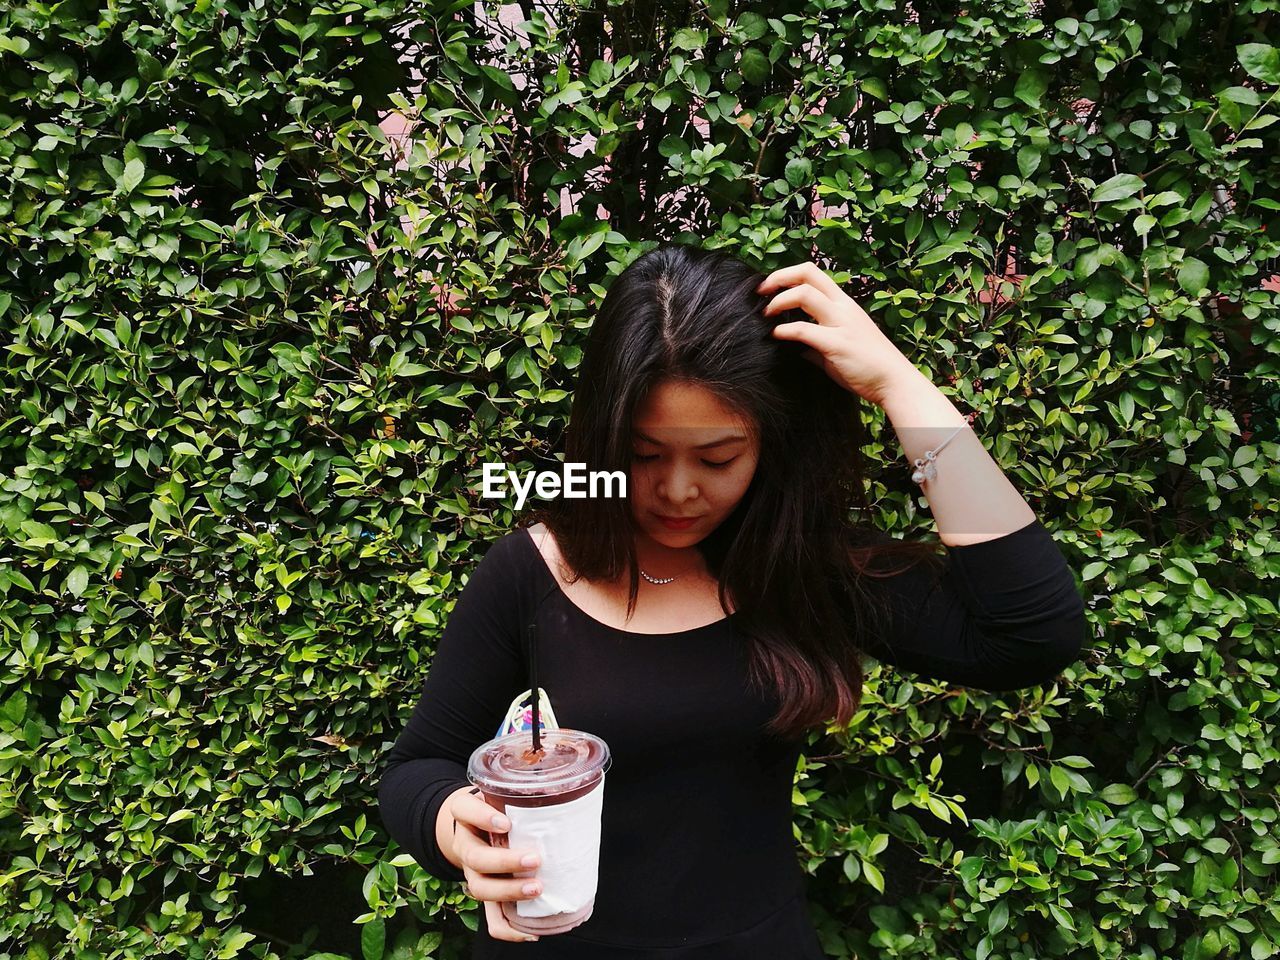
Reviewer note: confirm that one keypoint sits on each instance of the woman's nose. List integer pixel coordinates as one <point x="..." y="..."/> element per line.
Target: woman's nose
<point x="677" y="487"/>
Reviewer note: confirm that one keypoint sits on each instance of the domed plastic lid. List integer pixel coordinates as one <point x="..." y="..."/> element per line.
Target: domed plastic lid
<point x="509" y="766"/>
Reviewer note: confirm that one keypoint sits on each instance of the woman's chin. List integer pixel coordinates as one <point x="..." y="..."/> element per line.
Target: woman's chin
<point x="675" y="538"/>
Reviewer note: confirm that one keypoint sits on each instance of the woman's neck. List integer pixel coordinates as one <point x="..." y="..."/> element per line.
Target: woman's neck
<point x="660" y="560"/>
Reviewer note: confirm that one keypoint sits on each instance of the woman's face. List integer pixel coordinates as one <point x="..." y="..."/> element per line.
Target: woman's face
<point x="692" y="456"/>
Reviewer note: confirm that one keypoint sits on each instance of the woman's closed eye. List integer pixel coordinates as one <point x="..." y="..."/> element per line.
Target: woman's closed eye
<point x="715" y="465"/>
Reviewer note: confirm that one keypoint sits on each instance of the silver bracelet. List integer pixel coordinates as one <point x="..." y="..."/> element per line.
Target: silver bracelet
<point x="925" y="470"/>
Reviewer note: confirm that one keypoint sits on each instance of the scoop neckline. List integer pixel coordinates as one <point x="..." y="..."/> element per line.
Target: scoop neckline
<point x="542" y="561"/>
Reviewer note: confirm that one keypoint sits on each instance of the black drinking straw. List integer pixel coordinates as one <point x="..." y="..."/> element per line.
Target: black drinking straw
<point x="533" y="680"/>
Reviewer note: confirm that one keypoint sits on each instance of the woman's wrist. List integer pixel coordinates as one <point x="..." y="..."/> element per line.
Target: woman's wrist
<point x="901" y="386"/>
<point x="971" y="499"/>
<point x="446" y="828"/>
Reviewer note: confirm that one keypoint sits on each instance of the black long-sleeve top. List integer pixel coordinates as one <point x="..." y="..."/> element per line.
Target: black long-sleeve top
<point x="697" y="853"/>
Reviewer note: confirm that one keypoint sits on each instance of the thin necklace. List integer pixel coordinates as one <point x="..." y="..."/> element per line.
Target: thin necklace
<point x="658" y="580"/>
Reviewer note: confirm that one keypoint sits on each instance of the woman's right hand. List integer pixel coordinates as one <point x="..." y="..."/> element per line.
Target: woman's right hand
<point x="488" y="868"/>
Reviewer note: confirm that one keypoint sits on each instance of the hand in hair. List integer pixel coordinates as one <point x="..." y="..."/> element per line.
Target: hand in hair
<point x="845" y="342"/>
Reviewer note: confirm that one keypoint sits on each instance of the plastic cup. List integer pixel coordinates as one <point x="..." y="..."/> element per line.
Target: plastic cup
<point x="554" y="800"/>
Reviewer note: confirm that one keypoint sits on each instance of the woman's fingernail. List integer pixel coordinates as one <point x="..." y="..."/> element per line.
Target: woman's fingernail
<point x="500" y="822"/>
<point x="531" y="888"/>
<point x="530" y="939"/>
<point x="529" y="860"/>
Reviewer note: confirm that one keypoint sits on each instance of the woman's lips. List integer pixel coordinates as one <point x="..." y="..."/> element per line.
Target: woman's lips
<point x="677" y="524"/>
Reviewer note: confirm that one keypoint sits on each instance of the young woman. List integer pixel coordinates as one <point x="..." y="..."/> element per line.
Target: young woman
<point x="705" y="622"/>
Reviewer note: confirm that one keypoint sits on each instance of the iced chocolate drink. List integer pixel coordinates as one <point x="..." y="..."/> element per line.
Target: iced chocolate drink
<point x="554" y="798"/>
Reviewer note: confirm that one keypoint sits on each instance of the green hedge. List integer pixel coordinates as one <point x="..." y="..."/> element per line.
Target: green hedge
<point x="253" y="361"/>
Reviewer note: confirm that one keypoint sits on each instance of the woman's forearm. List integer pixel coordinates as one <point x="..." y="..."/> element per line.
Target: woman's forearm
<point x="971" y="499"/>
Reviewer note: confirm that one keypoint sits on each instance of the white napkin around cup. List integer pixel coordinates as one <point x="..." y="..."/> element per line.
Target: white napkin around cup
<point x="570" y="872"/>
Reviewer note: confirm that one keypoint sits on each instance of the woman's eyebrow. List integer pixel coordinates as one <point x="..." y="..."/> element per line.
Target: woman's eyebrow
<point x="732" y="438"/>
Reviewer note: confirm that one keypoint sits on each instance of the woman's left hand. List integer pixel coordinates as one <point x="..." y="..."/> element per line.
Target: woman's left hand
<point x="845" y="342"/>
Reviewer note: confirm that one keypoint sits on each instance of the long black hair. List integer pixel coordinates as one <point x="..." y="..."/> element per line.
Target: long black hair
<point x="791" y="555"/>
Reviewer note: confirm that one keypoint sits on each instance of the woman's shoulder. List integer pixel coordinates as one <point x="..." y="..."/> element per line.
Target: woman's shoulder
<point x="508" y="547"/>
<point x="539" y="544"/>
<point x="519" y="550"/>
<point x="539" y="535"/>
<point x="540" y="552"/>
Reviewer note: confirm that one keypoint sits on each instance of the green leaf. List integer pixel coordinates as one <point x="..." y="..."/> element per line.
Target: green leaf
<point x="671" y="144"/>
<point x="873" y="874"/>
<point x="751" y="26"/>
<point x="798" y="171"/>
<point x="532" y="370"/>
<point x="941" y="252"/>
<point x="852" y="867"/>
<point x="427" y="945"/>
<point x="1031" y="86"/>
<point x="1091" y="570"/>
<point x="77" y="581"/>
<point x="1118" y="794"/>
<point x="1193" y="276"/>
<point x="233" y="945"/>
<point x="1058" y="777"/>
<point x="132" y="175"/>
<point x="1260" y="60"/>
<point x="875" y="87"/>
<point x="1028" y="160"/>
<point x="1244" y="455"/>
<point x="1126" y="406"/>
<point x="1201" y="140"/>
<point x="1117" y="188"/>
<point x="689" y="38"/>
<point x="970" y="868"/>
<point x="998" y="918"/>
<point x="1202" y="875"/>
<point x="149" y="68"/>
<point x="14" y="709"/>
<point x="1241" y="95"/>
<point x="16" y="45"/>
<point x="1077" y="762"/>
<point x="915" y="220"/>
<point x="373" y="939"/>
<point x="755" y="66"/>
<point x="1063" y="918"/>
